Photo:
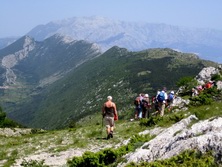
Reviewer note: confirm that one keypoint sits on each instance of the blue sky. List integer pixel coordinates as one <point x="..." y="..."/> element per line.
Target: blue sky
<point x="17" y="17"/>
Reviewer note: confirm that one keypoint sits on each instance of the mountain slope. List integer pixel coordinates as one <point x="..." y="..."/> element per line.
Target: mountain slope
<point x="117" y="72"/>
<point x="28" y="66"/>
<point x="135" y="36"/>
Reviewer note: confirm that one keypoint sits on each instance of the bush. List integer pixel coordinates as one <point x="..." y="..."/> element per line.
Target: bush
<point x="162" y="121"/>
<point x="152" y="121"/>
<point x="2" y="116"/>
<point x="33" y="163"/>
<point x="206" y="97"/>
<point x="216" y="77"/>
<point x="187" y="158"/>
<point x="107" y="156"/>
<point x="184" y="81"/>
<point x="5" y="122"/>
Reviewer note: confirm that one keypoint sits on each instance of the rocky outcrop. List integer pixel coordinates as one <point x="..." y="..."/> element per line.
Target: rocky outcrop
<point x="180" y="103"/>
<point x="8" y="132"/>
<point x="204" y="136"/>
<point x="206" y="74"/>
<point x="9" y="61"/>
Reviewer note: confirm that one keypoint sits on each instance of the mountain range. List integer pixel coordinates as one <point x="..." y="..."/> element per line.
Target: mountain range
<point x="134" y="36"/>
<point x="51" y="83"/>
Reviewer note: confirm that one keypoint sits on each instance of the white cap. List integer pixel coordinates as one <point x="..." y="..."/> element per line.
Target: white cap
<point x="172" y="92"/>
<point x="109" y="98"/>
<point x="146" y="95"/>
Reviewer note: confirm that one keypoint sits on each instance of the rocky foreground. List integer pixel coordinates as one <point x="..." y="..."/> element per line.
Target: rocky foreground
<point x="204" y="135"/>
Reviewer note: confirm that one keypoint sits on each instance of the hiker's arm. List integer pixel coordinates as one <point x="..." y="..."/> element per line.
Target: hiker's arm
<point x="115" y="110"/>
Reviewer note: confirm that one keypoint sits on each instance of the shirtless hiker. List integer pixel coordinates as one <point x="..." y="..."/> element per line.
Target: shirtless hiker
<point x="108" y="112"/>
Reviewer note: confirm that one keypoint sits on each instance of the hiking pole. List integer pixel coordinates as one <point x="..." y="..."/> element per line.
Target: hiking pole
<point x="102" y="129"/>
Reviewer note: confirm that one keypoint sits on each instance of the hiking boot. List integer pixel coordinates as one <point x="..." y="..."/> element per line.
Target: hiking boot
<point x="108" y="137"/>
<point x="111" y="134"/>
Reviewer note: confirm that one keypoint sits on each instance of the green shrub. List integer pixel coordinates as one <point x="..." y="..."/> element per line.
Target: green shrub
<point x="184" y="81"/>
<point x="33" y="163"/>
<point x="206" y="97"/>
<point x="186" y="159"/>
<point x="152" y="121"/>
<point x="216" y="77"/>
<point x="107" y="156"/>
<point x="9" y="123"/>
<point x="162" y="121"/>
<point x="187" y="83"/>
<point x="2" y="116"/>
<point x="6" y="122"/>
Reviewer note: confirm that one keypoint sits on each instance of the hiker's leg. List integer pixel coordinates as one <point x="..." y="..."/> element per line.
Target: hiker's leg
<point x="107" y="123"/>
<point x="159" y="107"/>
<point x="111" y="128"/>
<point x="112" y="124"/>
<point x="140" y="113"/>
<point x="108" y="129"/>
<point x="145" y="113"/>
<point x="156" y="109"/>
<point x="162" y="109"/>
<point x="170" y="106"/>
<point x="136" y="113"/>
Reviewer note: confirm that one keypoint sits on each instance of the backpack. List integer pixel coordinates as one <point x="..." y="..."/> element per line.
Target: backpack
<point x="170" y="97"/>
<point x="137" y="101"/>
<point x="145" y="103"/>
<point x="161" y="97"/>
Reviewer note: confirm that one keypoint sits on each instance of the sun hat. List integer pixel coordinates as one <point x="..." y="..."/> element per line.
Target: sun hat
<point x="172" y="92"/>
<point x="109" y="98"/>
<point x="146" y="95"/>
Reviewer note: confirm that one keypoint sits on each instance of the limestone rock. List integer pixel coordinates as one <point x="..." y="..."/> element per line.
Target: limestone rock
<point x="206" y="74"/>
<point x="204" y="135"/>
<point x="14" y="131"/>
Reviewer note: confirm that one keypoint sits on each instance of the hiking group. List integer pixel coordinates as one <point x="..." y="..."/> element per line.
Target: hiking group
<point x="198" y="89"/>
<point x="144" y="106"/>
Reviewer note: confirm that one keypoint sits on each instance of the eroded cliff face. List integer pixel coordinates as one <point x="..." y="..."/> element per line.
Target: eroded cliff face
<point x="9" y="61"/>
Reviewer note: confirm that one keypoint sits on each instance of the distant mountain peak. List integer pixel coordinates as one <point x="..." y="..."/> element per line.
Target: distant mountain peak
<point x="62" y="38"/>
<point x="135" y="36"/>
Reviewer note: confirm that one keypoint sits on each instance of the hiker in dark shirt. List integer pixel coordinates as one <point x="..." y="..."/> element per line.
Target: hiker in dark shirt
<point x="109" y="112"/>
<point x="145" y="106"/>
<point x="138" y="106"/>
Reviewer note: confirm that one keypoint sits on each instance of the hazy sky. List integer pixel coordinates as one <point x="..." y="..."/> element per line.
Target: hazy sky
<point x="17" y="17"/>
